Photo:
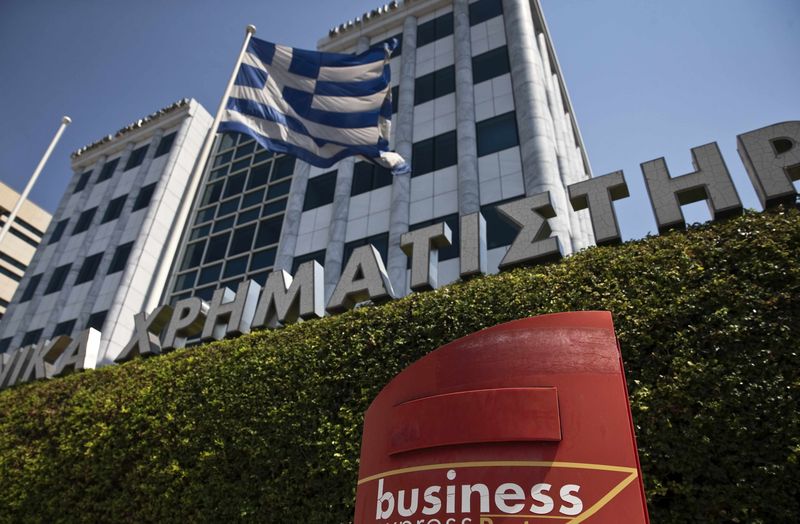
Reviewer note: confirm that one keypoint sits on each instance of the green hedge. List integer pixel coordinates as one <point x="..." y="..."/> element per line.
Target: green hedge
<point x="266" y="427"/>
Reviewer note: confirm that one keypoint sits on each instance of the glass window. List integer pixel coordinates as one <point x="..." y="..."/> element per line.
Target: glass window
<point x="274" y="207"/>
<point x="108" y="170"/>
<point x="120" y="258"/>
<point x="165" y="144"/>
<point x="380" y="242"/>
<point x="259" y="175"/>
<point x="279" y="189"/>
<point x="84" y="221"/>
<point x="82" y="181"/>
<point x="136" y="158"/>
<point x="89" y="268"/>
<point x="114" y="209"/>
<point x="193" y="255"/>
<point x="217" y="247"/>
<point x="269" y="231"/>
<point x="221" y="225"/>
<point x="185" y="281"/>
<point x="496" y="134"/>
<point x="434" y="153"/>
<point x="58" y="231"/>
<point x="144" y="196"/>
<point x="433" y="85"/>
<point x="204" y="215"/>
<point x="63" y="328"/>
<point x="242" y="239"/>
<point x="228" y="207"/>
<point x="219" y="173"/>
<point x="284" y="166"/>
<point x="253" y="198"/>
<point x="212" y="193"/>
<point x="57" y="279"/>
<point x="263" y="155"/>
<point x="31" y="337"/>
<point x="247" y="216"/>
<point x="5" y="344"/>
<point x="490" y="64"/>
<point x="499" y="231"/>
<point x="200" y="232"/>
<point x="319" y="191"/>
<point x="235" y="185"/>
<point x="435" y="29"/>
<point x="319" y="256"/>
<point x="235" y="266"/>
<point x="483" y="10"/>
<point x="205" y="293"/>
<point x="228" y="140"/>
<point x="33" y="283"/>
<point x="245" y="149"/>
<point x="452" y="222"/>
<point x="209" y="274"/>
<point x="96" y="320"/>
<point x="224" y="158"/>
<point x="262" y="259"/>
<point x="368" y="176"/>
<point x="241" y="164"/>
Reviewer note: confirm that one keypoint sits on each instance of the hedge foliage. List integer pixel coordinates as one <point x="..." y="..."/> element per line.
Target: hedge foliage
<point x="266" y="427"/>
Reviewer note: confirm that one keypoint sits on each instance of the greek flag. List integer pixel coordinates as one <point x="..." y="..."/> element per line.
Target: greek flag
<point x="319" y="107"/>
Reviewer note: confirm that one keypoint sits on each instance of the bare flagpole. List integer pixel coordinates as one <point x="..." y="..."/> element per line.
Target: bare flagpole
<point x="65" y="121"/>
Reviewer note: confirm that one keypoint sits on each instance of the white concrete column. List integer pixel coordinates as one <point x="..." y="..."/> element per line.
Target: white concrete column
<point x="565" y="167"/>
<point x="536" y="136"/>
<point x="404" y="140"/>
<point x="337" y="231"/>
<point x="469" y="200"/>
<point x="291" y="218"/>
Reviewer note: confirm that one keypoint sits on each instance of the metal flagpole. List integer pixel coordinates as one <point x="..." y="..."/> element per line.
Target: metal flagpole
<point x="249" y="30"/>
<point x="171" y="245"/>
<point x="65" y="121"/>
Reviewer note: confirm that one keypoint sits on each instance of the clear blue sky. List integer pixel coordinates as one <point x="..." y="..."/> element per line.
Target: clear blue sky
<point x="647" y="78"/>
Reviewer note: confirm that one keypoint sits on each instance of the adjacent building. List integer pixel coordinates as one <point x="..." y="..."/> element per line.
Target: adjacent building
<point x="482" y="113"/>
<point x="20" y="243"/>
<point x="107" y="252"/>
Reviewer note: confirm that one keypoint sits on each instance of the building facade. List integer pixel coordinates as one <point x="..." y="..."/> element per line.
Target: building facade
<point x="480" y="111"/>
<point x="19" y="245"/>
<point x="107" y="252"/>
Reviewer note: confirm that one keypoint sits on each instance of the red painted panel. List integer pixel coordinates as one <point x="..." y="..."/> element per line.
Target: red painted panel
<point x="467" y="434"/>
<point x="488" y="415"/>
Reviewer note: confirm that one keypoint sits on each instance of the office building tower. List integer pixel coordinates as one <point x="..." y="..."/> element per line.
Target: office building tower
<point x="107" y="252"/>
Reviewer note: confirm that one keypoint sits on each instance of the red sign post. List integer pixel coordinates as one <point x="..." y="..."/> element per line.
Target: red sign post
<point x="525" y="422"/>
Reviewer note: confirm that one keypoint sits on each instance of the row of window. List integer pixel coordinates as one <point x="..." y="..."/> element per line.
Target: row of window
<point x="438" y="152"/>
<point x="86" y="273"/>
<point x="485" y="66"/>
<point x="66" y="327"/>
<point x="499" y="233"/>
<point x="442" y="26"/>
<point x="134" y="160"/>
<point x="112" y="212"/>
<point x="17" y="233"/>
<point x="238" y="221"/>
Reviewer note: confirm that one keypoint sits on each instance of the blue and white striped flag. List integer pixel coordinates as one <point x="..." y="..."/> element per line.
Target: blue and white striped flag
<point x="319" y="107"/>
